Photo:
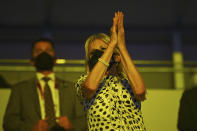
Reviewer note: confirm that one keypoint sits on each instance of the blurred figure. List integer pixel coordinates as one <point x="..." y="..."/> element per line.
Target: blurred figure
<point x="44" y="102"/>
<point x="4" y="83"/>
<point x="187" y="118"/>
<point x="112" y="88"/>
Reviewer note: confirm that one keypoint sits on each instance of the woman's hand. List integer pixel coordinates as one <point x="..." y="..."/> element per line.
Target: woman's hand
<point x="114" y="36"/>
<point x="121" y="33"/>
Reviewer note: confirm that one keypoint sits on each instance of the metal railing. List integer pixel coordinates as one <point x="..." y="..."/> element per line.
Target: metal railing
<point x="78" y="65"/>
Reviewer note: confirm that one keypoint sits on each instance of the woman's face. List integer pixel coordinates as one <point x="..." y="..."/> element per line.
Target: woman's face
<point x="97" y="44"/>
<point x="100" y="45"/>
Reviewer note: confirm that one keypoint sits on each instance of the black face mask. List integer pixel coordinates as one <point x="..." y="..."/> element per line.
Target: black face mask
<point x="44" y="62"/>
<point x="94" y="59"/>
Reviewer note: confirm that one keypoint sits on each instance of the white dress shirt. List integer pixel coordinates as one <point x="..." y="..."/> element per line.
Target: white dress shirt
<point x="54" y="91"/>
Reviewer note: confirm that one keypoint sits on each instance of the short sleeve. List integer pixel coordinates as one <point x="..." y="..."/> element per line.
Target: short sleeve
<point x="78" y="87"/>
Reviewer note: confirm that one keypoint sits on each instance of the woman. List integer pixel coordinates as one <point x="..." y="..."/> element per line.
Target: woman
<point x="112" y="88"/>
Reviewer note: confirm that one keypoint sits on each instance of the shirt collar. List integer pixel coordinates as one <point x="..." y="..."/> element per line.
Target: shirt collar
<point x="40" y="76"/>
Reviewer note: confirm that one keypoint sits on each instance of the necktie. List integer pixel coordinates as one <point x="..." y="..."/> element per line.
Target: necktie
<point x="49" y="105"/>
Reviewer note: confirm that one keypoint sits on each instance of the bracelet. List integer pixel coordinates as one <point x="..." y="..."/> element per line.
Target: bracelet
<point x="102" y="61"/>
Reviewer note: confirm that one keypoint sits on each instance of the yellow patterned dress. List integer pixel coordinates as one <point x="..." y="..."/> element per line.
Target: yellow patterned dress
<point x="113" y="107"/>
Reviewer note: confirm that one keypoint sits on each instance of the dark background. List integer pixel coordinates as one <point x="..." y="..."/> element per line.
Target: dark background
<point x="150" y="26"/>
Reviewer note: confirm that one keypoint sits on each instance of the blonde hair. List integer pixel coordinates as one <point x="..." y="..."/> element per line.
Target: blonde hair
<point x="101" y="36"/>
<point x="105" y="38"/>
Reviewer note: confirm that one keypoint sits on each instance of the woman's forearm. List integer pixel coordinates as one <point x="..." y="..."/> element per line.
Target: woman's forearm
<point x="96" y="74"/>
<point x="132" y="73"/>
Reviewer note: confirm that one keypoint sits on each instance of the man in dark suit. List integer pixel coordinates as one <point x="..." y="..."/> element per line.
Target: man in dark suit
<point x="187" y="119"/>
<point x="44" y="102"/>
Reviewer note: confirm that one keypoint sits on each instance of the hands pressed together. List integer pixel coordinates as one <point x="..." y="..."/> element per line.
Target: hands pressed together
<point x="117" y="31"/>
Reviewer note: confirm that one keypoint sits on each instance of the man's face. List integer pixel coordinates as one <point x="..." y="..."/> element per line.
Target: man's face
<point x="42" y="46"/>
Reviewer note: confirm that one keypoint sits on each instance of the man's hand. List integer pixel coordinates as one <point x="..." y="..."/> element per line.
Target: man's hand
<point x="41" y="125"/>
<point x="65" y="123"/>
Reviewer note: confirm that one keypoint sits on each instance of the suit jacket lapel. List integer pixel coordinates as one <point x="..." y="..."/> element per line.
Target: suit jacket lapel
<point x="34" y="96"/>
<point x="60" y="88"/>
<point x="65" y="98"/>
